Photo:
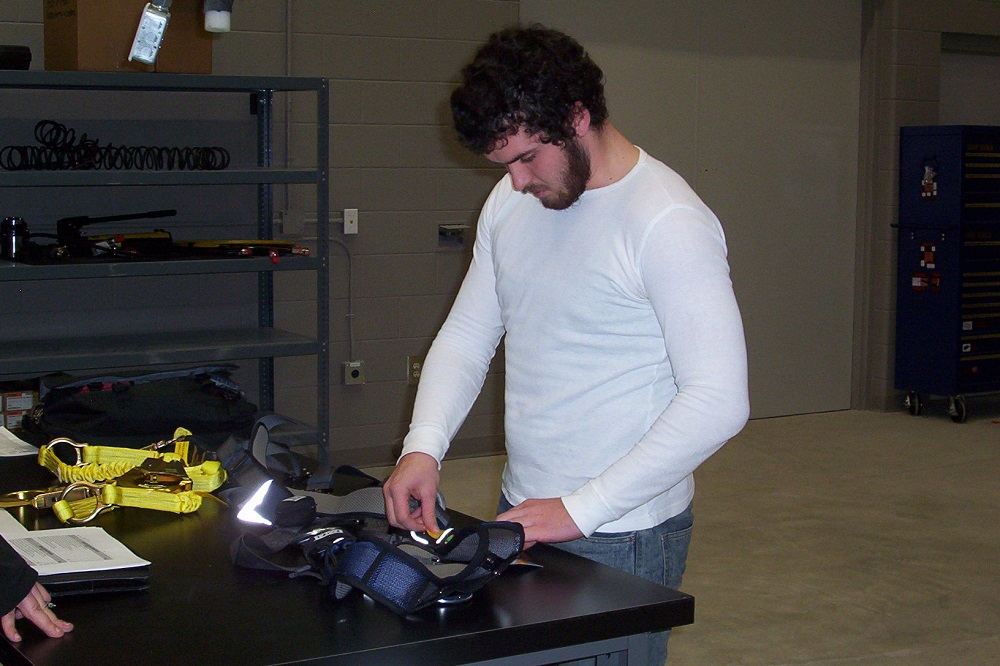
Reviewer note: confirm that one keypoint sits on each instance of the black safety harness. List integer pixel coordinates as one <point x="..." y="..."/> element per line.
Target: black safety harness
<point x="346" y="542"/>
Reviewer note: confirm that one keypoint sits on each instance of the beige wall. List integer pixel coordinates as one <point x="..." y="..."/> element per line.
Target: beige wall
<point x="756" y="105"/>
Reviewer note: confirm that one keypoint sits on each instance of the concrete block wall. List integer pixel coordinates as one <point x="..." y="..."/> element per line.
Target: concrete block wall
<point x="391" y="65"/>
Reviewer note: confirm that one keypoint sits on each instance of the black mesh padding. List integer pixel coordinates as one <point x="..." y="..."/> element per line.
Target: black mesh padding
<point x="505" y="543"/>
<point x="464" y="550"/>
<point x="362" y="557"/>
<point x="408" y="576"/>
<point x="401" y="584"/>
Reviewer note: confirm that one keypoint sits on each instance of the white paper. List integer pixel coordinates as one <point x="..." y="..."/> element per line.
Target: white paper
<point x="12" y="445"/>
<point x="73" y="549"/>
<point x="11" y="526"/>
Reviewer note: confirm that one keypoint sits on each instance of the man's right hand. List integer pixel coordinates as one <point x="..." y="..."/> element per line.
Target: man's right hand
<point x="416" y="476"/>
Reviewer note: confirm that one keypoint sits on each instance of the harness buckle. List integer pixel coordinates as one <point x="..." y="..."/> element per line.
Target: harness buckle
<point x="492" y="563"/>
<point x="157" y="474"/>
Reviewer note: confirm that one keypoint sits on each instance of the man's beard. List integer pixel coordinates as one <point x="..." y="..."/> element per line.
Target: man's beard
<point x="574" y="178"/>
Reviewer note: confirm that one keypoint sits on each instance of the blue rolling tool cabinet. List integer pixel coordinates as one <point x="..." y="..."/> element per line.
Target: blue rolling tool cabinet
<point x="948" y="268"/>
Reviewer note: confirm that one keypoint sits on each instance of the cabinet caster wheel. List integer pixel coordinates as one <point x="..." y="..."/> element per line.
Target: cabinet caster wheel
<point x="957" y="409"/>
<point x="913" y="403"/>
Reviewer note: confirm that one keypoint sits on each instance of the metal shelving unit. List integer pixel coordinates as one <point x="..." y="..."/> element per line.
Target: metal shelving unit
<point x="264" y="342"/>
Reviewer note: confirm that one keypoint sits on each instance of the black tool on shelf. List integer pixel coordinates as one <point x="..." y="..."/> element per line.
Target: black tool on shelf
<point x="69" y="235"/>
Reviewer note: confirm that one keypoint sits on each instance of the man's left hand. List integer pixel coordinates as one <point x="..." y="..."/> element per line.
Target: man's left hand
<point x="544" y="521"/>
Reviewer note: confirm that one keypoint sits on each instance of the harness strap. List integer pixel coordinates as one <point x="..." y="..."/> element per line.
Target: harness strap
<point x="254" y="551"/>
<point x="320" y="546"/>
<point x="364" y="506"/>
<point x="364" y="502"/>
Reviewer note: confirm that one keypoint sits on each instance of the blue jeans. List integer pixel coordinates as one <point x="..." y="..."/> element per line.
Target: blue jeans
<point x="658" y="554"/>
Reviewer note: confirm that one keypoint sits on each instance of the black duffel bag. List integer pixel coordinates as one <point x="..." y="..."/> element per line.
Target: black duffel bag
<point x="137" y="410"/>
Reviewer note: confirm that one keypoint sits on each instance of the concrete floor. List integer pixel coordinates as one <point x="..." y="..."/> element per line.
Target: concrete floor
<point x="844" y="538"/>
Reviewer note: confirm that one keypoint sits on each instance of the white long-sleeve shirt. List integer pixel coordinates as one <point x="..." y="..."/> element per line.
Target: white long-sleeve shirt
<point x="625" y="357"/>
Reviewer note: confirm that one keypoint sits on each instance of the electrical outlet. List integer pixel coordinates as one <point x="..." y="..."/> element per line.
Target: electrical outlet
<point x="353" y="372"/>
<point x="414" y="364"/>
<point x="350" y="220"/>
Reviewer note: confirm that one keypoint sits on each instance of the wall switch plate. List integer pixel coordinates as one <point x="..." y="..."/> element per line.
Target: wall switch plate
<point x="352" y="372"/>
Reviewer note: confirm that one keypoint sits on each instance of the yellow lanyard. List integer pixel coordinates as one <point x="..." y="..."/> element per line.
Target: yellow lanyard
<point x="144" y="478"/>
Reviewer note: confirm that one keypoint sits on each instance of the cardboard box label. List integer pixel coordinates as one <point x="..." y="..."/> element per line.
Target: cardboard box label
<point x="12" y="420"/>
<point x="19" y="401"/>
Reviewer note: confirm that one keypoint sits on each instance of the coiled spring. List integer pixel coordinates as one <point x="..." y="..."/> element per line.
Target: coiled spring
<point x="59" y="149"/>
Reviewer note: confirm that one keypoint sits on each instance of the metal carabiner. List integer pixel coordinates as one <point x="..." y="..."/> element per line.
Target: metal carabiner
<point x="44" y="499"/>
<point x="38" y="499"/>
<point x="76" y="446"/>
<point x="93" y="490"/>
<point x="194" y="456"/>
<point x="162" y="444"/>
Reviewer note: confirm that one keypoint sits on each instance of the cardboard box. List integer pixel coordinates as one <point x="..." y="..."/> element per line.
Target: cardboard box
<point x="12" y="420"/>
<point x="17" y="397"/>
<point x="19" y="401"/>
<point x="96" y="36"/>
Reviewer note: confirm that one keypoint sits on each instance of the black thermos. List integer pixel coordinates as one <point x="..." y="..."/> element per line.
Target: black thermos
<point x="14" y="238"/>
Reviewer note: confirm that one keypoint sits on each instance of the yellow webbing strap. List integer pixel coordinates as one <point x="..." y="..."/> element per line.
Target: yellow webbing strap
<point x="93" y="473"/>
<point x="207" y="476"/>
<point x="105" y="464"/>
<point x="77" y="511"/>
<point x="82" y="510"/>
<point x="115" y="455"/>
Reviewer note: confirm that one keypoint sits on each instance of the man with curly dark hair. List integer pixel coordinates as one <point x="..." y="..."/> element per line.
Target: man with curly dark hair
<point x="607" y="279"/>
<point x="533" y="79"/>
